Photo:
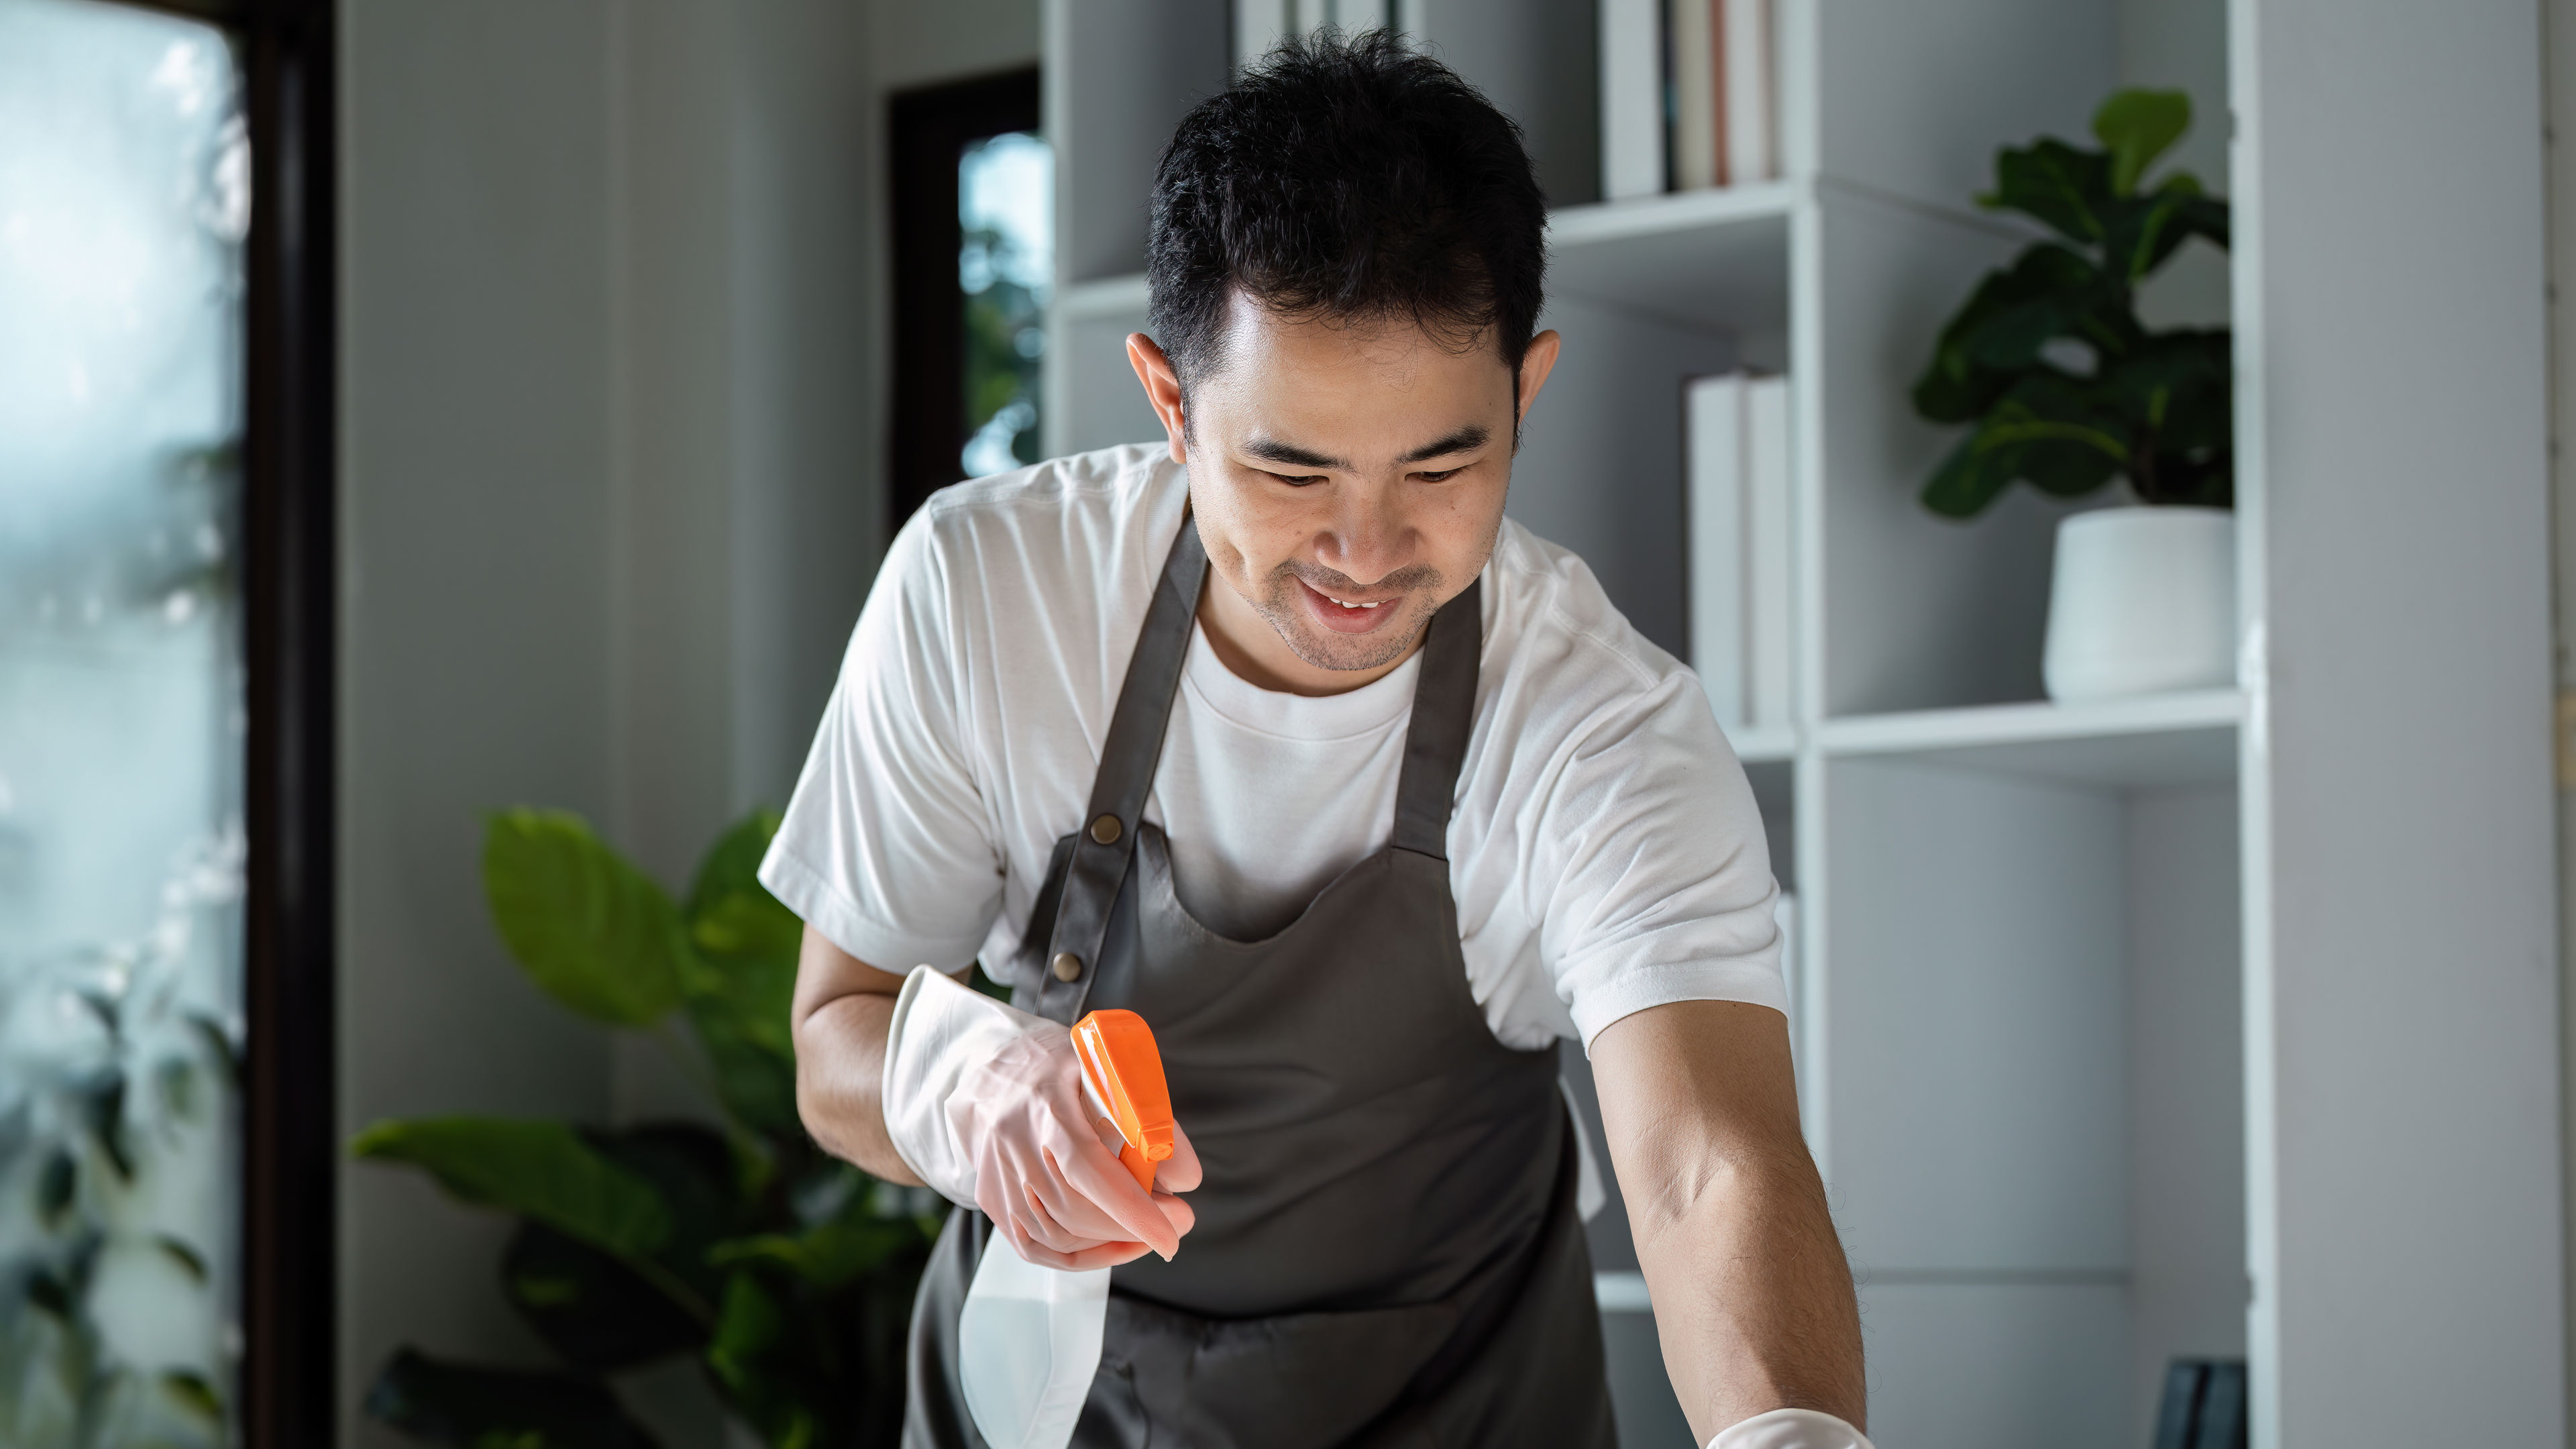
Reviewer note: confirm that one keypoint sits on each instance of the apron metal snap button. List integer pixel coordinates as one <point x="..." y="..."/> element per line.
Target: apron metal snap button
<point x="1105" y="830"/>
<point x="1066" y="966"/>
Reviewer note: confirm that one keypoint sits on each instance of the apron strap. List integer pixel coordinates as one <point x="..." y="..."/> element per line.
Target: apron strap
<point x="1127" y="760"/>
<point x="1435" y="746"/>
<point x="1444" y="715"/>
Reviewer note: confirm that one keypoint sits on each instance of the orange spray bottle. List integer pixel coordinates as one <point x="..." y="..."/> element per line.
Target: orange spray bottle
<point x="1029" y="1337"/>
<point x="1122" y="1080"/>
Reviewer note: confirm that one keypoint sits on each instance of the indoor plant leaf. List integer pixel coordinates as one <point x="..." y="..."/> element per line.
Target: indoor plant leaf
<point x="2137" y="126"/>
<point x="596" y="933"/>
<point x="2050" y="432"/>
<point x="540" y="1170"/>
<point x="751" y="1334"/>
<point x="2054" y="182"/>
<point x="853" y="1241"/>
<point x="740" y="985"/>
<point x="2048" y="292"/>
<point x="2142" y="231"/>
<point x="489" y="1408"/>
<point x="590" y="1307"/>
<point x="694" y="1174"/>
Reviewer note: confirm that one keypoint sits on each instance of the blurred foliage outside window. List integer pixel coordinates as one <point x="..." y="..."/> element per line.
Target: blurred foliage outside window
<point x="1005" y="268"/>
<point x="124" y="200"/>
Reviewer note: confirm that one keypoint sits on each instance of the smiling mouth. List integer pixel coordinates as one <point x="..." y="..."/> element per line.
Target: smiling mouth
<point x="1344" y="615"/>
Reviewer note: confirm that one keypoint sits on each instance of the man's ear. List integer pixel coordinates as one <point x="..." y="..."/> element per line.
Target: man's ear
<point x="1163" y="390"/>
<point x="1536" y="364"/>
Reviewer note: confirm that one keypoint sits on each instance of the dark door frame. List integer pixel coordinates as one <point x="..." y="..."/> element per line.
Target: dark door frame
<point x="926" y="130"/>
<point x="288" y="1393"/>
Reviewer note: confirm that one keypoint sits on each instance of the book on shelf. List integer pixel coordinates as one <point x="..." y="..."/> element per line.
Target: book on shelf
<point x="1738" y="506"/>
<point x="1632" y="98"/>
<point x="1749" y="122"/>
<point x="1689" y="95"/>
<point x="1698" y="151"/>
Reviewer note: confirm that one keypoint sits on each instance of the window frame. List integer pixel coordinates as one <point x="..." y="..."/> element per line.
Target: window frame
<point x="928" y="127"/>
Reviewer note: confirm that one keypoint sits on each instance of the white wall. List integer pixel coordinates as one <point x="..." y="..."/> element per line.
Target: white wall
<point x="610" y="500"/>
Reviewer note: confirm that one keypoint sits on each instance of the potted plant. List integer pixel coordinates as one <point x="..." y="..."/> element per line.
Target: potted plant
<point x="786" y="1274"/>
<point x="2067" y="391"/>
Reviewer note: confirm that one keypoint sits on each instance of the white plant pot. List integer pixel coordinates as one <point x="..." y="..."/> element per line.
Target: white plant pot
<point x="2142" y="600"/>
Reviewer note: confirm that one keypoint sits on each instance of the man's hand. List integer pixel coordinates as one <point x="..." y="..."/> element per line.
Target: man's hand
<point x="1753" y="1298"/>
<point x="1040" y="1170"/>
<point x="1044" y="1172"/>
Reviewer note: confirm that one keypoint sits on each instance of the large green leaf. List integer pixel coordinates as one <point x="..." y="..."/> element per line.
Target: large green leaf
<point x="2056" y="435"/>
<point x="854" y="1241"/>
<point x="2064" y="187"/>
<point x="2137" y="126"/>
<point x="2144" y="230"/>
<point x="488" y="1408"/>
<point x="2048" y="292"/>
<point x="540" y="1170"/>
<point x="591" y="1307"/>
<point x="594" y="931"/>
<point x="753" y="1359"/>
<point x="741" y="984"/>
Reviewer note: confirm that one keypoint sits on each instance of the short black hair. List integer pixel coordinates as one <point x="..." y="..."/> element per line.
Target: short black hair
<point x="1347" y="178"/>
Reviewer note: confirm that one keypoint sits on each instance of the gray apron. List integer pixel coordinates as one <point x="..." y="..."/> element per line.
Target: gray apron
<point x="1387" y="1249"/>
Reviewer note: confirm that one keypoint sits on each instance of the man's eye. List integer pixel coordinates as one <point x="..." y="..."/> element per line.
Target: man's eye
<point x="1295" y="480"/>
<point x="1443" y="476"/>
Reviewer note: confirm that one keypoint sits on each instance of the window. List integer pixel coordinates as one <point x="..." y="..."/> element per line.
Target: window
<point x="1005" y="269"/>
<point x="973" y="262"/>
<point x="165" y="1225"/>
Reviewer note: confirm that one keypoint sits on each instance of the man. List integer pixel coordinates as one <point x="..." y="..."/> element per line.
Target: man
<point x="1279" y="734"/>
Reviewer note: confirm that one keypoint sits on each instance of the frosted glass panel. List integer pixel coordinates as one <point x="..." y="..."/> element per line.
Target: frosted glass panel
<point x="124" y="196"/>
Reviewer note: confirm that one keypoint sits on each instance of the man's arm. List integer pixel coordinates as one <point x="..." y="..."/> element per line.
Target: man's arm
<point x="1753" y="1298"/>
<point x="842" y="1007"/>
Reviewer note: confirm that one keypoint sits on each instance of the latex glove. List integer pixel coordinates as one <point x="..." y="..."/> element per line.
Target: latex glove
<point x="1790" y="1429"/>
<point x="984" y="1103"/>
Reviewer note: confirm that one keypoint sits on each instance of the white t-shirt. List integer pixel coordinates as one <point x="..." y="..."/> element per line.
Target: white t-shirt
<point x="1605" y="853"/>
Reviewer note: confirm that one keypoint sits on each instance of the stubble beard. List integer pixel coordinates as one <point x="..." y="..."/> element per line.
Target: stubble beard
<point x="1323" y="649"/>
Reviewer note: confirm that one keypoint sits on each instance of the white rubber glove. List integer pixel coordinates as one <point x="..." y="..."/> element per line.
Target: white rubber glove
<point x="984" y="1103"/>
<point x="1790" y="1429"/>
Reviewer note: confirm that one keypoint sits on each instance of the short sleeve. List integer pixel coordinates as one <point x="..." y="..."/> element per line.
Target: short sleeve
<point x="1652" y="867"/>
<point x="887" y="847"/>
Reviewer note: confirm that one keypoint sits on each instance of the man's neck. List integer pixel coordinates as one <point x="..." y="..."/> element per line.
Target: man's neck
<point x="1246" y="644"/>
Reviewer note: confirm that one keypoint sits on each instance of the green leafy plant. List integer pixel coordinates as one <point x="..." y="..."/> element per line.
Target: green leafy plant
<point x="2065" y="388"/>
<point x="787" y="1274"/>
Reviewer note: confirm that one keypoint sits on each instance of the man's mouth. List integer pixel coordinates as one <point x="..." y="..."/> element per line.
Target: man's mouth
<point x="1345" y="615"/>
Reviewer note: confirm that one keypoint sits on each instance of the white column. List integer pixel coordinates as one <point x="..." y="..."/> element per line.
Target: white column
<point x="2401" y="982"/>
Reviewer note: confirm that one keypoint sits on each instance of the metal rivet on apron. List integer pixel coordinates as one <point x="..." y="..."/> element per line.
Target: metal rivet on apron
<point x="1105" y="830"/>
<point x="1066" y="966"/>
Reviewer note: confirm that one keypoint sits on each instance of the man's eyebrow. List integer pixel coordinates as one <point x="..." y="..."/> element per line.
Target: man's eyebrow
<point x="1271" y="450"/>
<point x="1474" y="435"/>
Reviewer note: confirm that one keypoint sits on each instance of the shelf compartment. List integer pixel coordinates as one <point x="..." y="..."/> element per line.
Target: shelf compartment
<point x="1716" y="259"/>
<point x="2183" y="738"/>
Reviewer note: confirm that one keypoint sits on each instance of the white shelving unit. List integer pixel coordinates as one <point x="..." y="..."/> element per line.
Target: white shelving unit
<point x="2025" y="1052"/>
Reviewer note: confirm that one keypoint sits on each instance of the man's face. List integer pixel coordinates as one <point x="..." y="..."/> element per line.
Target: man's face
<point x="1348" y="479"/>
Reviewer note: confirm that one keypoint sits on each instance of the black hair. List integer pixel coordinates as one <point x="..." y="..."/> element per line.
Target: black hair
<point x="1347" y="179"/>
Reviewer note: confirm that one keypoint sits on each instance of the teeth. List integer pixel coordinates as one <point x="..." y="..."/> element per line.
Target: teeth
<point x="1355" y="606"/>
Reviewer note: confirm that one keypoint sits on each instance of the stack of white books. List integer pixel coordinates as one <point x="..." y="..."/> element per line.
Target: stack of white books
<point x="1740" y="545"/>
<point x="1688" y="95"/>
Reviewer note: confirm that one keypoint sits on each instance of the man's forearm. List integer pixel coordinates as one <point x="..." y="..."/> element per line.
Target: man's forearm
<point x="840" y="1082"/>
<point x="1753" y="1299"/>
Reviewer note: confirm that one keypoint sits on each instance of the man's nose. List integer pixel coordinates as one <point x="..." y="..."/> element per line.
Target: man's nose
<point x="1370" y="538"/>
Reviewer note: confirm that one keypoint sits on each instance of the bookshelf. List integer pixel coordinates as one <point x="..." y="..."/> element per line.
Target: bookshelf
<point x="2023" y="1031"/>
